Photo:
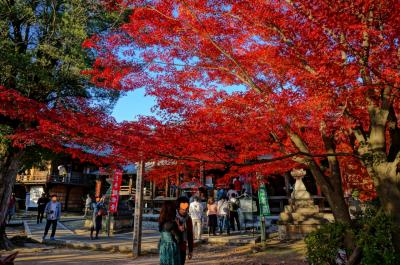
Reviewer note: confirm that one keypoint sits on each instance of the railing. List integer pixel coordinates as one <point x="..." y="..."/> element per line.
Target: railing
<point x="124" y="190"/>
<point x="76" y="178"/>
<point x="43" y="177"/>
<point x="37" y="177"/>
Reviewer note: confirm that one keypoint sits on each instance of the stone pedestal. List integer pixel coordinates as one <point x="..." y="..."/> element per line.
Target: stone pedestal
<point x="301" y="216"/>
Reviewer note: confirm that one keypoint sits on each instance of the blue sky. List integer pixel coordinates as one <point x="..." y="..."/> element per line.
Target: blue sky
<point x="135" y="103"/>
<point x="132" y="104"/>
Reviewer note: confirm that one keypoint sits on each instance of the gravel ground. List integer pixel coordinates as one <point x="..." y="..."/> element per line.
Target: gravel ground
<point x="272" y="253"/>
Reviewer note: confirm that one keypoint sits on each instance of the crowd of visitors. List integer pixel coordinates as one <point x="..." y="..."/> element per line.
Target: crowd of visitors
<point x="220" y="214"/>
<point x="182" y="222"/>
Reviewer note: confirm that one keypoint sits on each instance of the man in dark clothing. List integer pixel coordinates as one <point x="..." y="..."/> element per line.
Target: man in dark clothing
<point x="42" y="202"/>
<point x="234" y="206"/>
<point x="185" y="226"/>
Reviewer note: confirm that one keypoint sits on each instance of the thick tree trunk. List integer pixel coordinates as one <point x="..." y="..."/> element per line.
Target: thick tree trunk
<point x="333" y="193"/>
<point x="387" y="185"/>
<point x="9" y="165"/>
<point x="383" y="167"/>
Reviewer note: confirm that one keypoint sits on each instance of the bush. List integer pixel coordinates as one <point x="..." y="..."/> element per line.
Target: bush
<point x="376" y="239"/>
<point x="373" y="233"/>
<point x="323" y="244"/>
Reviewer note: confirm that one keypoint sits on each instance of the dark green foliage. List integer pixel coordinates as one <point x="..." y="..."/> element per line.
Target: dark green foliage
<point x="323" y="244"/>
<point x="41" y="52"/>
<point x="41" y="56"/>
<point x="373" y="232"/>
<point x="375" y="236"/>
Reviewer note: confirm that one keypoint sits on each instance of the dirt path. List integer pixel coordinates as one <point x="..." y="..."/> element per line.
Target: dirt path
<point x="273" y="253"/>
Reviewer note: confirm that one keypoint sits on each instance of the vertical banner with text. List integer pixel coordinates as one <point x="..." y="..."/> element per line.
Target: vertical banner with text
<point x="116" y="185"/>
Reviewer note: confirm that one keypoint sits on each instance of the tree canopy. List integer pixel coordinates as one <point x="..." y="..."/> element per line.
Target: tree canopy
<point x="320" y="86"/>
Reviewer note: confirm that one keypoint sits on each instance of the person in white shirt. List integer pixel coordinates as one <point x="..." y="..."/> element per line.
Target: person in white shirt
<point x="223" y="215"/>
<point x="88" y="204"/>
<point x="196" y="211"/>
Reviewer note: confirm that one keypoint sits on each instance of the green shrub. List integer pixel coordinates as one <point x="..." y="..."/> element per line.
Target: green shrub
<point x="376" y="239"/>
<point x="323" y="244"/>
<point x="373" y="233"/>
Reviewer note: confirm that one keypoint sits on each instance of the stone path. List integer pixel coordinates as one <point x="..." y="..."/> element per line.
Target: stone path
<point x="73" y="236"/>
<point x="119" y="242"/>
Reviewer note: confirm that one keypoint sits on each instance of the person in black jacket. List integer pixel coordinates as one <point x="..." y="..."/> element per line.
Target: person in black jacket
<point x="185" y="229"/>
<point x="42" y="202"/>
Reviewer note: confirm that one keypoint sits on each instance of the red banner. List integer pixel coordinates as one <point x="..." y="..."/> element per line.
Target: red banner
<point x="116" y="185"/>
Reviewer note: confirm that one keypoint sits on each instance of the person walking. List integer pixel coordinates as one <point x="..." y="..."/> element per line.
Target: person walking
<point x="223" y="216"/>
<point x="88" y="204"/>
<point x="212" y="210"/>
<point x="168" y="227"/>
<point x="185" y="229"/>
<point x="41" y="203"/>
<point x="11" y="207"/>
<point x="97" y="217"/>
<point x="196" y="210"/>
<point x="53" y="214"/>
<point x="234" y="206"/>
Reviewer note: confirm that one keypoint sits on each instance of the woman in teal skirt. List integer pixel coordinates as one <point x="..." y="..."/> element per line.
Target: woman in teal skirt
<point x="168" y="246"/>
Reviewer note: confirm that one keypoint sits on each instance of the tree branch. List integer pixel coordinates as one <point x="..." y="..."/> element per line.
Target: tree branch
<point x="256" y="161"/>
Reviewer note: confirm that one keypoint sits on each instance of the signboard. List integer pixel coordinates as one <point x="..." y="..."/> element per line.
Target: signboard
<point x="34" y="195"/>
<point x="116" y="186"/>
<point x="248" y="205"/>
<point x="263" y="200"/>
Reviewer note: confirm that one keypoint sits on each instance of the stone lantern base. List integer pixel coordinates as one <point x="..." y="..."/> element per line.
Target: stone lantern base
<point x="300" y="218"/>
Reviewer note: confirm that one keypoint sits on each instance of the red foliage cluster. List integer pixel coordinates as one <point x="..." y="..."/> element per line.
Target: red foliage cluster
<point x="307" y="64"/>
<point x="310" y="68"/>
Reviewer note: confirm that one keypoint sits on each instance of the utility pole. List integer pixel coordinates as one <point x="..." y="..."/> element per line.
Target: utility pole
<point x="137" y="220"/>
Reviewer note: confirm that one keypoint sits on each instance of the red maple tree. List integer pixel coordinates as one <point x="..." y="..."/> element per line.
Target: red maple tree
<point x="326" y="73"/>
<point x="322" y="90"/>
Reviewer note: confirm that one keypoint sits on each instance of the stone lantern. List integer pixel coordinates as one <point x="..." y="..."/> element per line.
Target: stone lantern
<point x="300" y="197"/>
<point x="301" y="216"/>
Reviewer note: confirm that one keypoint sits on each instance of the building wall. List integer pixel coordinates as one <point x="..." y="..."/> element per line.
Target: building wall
<point x="74" y="198"/>
<point x="75" y="201"/>
<point x="60" y="191"/>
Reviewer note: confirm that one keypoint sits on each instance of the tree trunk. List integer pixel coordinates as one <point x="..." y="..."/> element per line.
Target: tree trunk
<point x="383" y="167"/>
<point x="9" y="165"/>
<point x="388" y="189"/>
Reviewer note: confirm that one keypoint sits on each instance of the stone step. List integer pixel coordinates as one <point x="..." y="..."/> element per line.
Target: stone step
<point x="301" y="218"/>
<point x="234" y="240"/>
<point x="306" y="210"/>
